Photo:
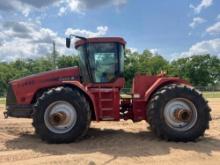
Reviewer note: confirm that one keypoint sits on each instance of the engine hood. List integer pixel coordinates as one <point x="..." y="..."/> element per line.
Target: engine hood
<point x="65" y="74"/>
<point x="23" y="91"/>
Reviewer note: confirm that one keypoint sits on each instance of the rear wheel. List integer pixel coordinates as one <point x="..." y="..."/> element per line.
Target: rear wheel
<point x="62" y="115"/>
<point x="178" y="113"/>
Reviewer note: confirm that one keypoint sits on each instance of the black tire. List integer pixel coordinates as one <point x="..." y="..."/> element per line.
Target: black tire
<point x="73" y="97"/>
<point x="156" y="119"/>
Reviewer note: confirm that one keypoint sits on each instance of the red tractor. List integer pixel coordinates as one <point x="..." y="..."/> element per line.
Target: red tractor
<point x="63" y="102"/>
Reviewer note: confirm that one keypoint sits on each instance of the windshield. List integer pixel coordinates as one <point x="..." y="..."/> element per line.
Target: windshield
<point x="105" y="62"/>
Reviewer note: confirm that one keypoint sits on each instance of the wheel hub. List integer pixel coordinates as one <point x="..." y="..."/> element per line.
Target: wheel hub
<point x="60" y="117"/>
<point x="183" y="115"/>
<point x="180" y="114"/>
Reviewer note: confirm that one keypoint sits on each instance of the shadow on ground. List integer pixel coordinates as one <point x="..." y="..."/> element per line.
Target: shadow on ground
<point x="115" y="143"/>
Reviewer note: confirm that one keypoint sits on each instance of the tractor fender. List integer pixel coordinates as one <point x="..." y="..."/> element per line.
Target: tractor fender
<point x="85" y="91"/>
<point x="162" y="81"/>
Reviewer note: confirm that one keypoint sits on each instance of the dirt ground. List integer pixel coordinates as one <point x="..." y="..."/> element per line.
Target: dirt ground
<point x="108" y="143"/>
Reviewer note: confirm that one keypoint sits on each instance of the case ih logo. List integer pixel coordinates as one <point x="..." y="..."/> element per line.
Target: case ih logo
<point x="59" y="79"/>
<point x="26" y="83"/>
<point x="29" y="83"/>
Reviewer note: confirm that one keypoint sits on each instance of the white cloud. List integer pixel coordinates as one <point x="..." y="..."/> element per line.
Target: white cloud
<point x="64" y="6"/>
<point x="204" y="47"/>
<point x="154" y="51"/>
<point x="80" y="6"/>
<point x="26" y="40"/>
<point x="62" y="11"/>
<point x="196" y="21"/>
<point x="133" y="50"/>
<point x="119" y="2"/>
<point x="69" y="5"/>
<point x="101" y="31"/>
<point x="30" y="40"/>
<point x="203" y="5"/>
<point x="214" y="29"/>
<point x="25" y="6"/>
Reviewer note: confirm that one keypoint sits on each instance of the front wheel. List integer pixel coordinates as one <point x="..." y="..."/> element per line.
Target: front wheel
<point x="62" y="115"/>
<point x="178" y="113"/>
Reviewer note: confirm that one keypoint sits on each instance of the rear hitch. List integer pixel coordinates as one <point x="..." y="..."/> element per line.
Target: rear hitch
<point x="5" y="115"/>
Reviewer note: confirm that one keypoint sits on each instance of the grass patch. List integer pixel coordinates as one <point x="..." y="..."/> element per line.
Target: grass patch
<point x="211" y="94"/>
<point x="2" y="100"/>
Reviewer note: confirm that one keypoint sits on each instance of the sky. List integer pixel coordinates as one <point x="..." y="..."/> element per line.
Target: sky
<point x="172" y="28"/>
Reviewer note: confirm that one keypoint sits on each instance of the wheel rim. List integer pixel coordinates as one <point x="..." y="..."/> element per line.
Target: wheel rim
<point x="180" y="114"/>
<point x="60" y="117"/>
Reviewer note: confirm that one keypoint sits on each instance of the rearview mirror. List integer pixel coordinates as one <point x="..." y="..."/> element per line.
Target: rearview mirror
<point x="68" y="42"/>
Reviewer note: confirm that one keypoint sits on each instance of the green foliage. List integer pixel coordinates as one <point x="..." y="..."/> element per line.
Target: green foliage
<point x="145" y="63"/>
<point x="211" y="94"/>
<point x="21" y="68"/>
<point x="200" y="70"/>
<point x="67" y="61"/>
<point x="2" y="101"/>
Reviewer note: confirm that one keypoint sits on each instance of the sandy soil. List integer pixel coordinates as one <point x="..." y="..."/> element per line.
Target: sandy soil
<point x="108" y="143"/>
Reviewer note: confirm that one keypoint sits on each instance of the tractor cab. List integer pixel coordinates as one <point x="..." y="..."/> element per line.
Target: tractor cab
<point x="101" y="59"/>
<point x="101" y="71"/>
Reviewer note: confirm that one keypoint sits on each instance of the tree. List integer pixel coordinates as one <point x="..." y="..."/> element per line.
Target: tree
<point x="67" y="61"/>
<point x="143" y="63"/>
<point x="200" y="70"/>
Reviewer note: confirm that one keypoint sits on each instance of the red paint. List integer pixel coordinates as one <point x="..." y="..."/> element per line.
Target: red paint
<point x="105" y="97"/>
<point x="118" y="83"/>
<point x="146" y="86"/>
<point x="26" y="88"/>
<point x="100" y="40"/>
<point x="107" y="101"/>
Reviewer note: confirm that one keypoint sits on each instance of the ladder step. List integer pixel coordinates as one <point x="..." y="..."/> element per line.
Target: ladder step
<point x="107" y="109"/>
<point x="106" y="99"/>
<point x="108" y="118"/>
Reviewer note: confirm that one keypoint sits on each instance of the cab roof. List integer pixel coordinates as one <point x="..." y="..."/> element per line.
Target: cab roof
<point x="100" y="40"/>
